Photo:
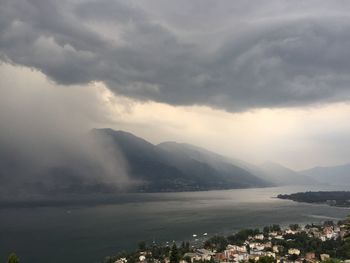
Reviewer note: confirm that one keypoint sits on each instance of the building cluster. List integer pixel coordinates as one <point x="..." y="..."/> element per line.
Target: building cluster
<point x="263" y="245"/>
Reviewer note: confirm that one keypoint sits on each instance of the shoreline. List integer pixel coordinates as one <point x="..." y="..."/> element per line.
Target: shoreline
<point x="272" y="243"/>
<point x="331" y="198"/>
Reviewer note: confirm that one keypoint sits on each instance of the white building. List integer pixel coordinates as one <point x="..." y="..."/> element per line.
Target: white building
<point x="294" y="251"/>
<point x="241" y="249"/>
<point x="259" y="237"/>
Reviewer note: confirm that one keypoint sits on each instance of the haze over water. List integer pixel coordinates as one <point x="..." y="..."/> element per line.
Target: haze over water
<point x="89" y="233"/>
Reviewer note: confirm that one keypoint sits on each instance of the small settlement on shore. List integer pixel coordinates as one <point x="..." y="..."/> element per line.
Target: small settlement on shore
<point x="327" y="242"/>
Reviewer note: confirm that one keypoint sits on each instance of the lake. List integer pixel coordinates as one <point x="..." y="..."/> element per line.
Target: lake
<point x="89" y="233"/>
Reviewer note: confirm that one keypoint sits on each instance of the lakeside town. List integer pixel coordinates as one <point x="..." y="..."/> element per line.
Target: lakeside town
<point x="327" y="242"/>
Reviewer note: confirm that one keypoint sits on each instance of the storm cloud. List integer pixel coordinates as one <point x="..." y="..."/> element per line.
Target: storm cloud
<point x="233" y="55"/>
<point x="46" y="147"/>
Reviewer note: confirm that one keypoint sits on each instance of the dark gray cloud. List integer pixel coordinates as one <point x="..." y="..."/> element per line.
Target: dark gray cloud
<point x="232" y="54"/>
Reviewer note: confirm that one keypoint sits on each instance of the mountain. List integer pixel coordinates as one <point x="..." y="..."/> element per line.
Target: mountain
<point x="109" y="161"/>
<point x="334" y="175"/>
<point x="168" y="168"/>
<point x="281" y="175"/>
<point x="200" y="154"/>
<point x="275" y="174"/>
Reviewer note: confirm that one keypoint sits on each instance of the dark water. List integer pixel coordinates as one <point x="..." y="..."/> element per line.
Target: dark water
<point x="88" y="233"/>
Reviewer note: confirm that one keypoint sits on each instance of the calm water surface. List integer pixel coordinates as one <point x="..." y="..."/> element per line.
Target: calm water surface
<point x="88" y="233"/>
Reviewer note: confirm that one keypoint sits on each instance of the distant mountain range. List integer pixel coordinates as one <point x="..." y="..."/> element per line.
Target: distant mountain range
<point x="281" y="175"/>
<point x="120" y="161"/>
<point x="175" y="167"/>
<point x="333" y="175"/>
<point x="171" y="166"/>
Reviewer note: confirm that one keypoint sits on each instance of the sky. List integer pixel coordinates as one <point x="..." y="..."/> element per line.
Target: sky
<point x="254" y="82"/>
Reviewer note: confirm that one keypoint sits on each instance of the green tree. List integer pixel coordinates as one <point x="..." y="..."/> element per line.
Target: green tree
<point x="142" y="245"/>
<point x="293" y="257"/>
<point x="12" y="258"/>
<point x="294" y="227"/>
<point x="344" y="251"/>
<point x="248" y="248"/>
<point x="266" y="259"/>
<point x="156" y="252"/>
<point x="187" y="246"/>
<point x="242" y="236"/>
<point x="328" y="223"/>
<point x="266" y="230"/>
<point x="276" y="227"/>
<point x="216" y="242"/>
<point x="347" y="228"/>
<point x="174" y="254"/>
<point x="187" y="259"/>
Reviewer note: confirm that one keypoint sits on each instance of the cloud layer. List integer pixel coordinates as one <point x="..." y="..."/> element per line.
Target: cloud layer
<point x="228" y="54"/>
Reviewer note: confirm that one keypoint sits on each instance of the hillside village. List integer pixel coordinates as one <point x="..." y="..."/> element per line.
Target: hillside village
<point x="308" y="244"/>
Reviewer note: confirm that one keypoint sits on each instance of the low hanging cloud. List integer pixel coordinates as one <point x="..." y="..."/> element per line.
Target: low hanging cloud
<point x="232" y="55"/>
<point x="46" y="147"/>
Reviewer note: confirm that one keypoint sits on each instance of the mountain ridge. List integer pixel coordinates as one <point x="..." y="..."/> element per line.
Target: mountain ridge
<point x="119" y="161"/>
<point x="333" y="175"/>
<point x="282" y="175"/>
<point x="275" y="174"/>
<point x="165" y="170"/>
